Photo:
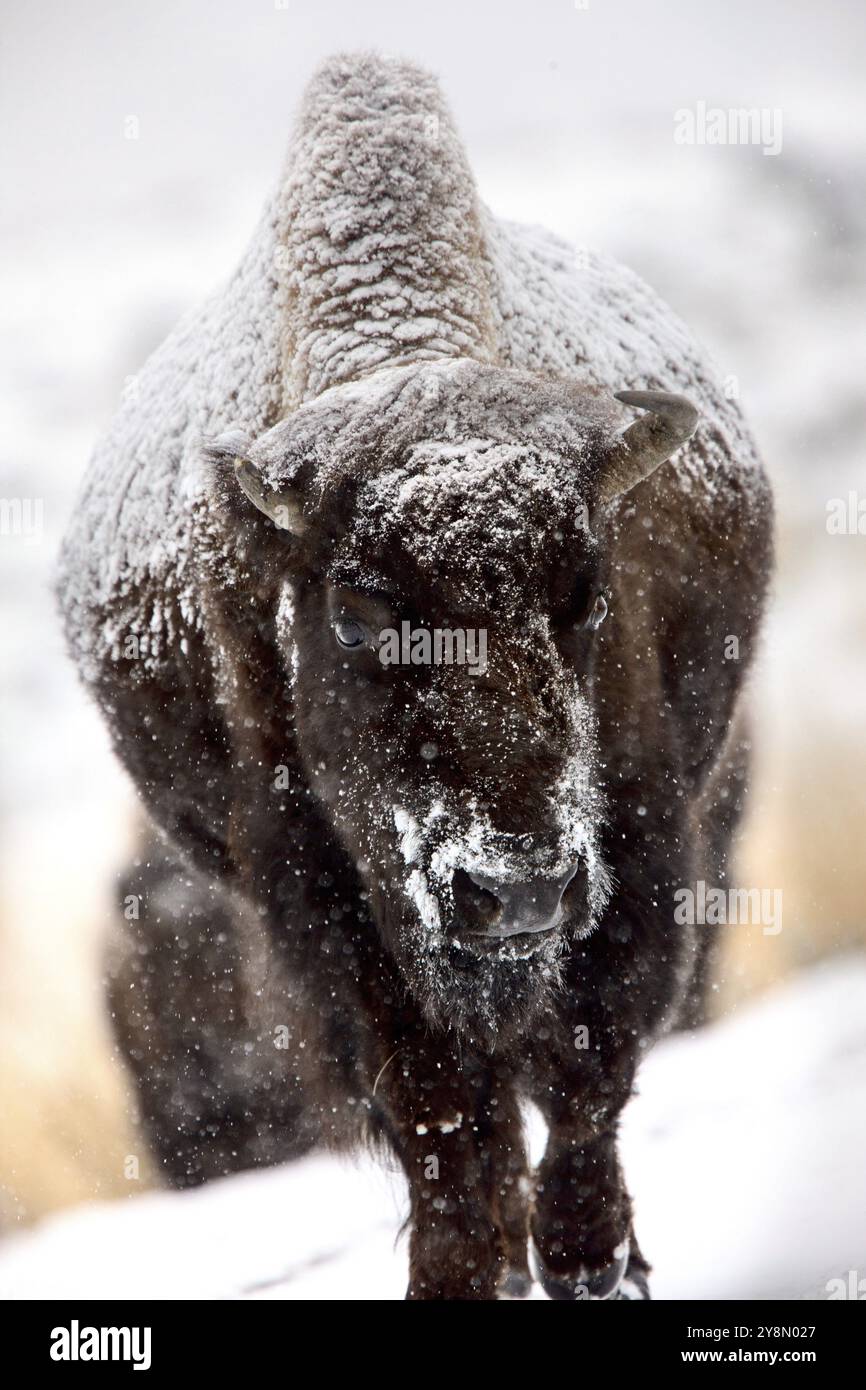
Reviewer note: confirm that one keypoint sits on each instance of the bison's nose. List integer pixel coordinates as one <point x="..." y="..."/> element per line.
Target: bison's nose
<point x="509" y="909"/>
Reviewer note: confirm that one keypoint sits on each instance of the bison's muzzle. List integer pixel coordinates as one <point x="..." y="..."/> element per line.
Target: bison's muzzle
<point x="504" y="911"/>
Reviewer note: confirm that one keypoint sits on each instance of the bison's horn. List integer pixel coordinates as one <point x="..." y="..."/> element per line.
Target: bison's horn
<point x="282" y="506"/>
<point x="648" y="442"/>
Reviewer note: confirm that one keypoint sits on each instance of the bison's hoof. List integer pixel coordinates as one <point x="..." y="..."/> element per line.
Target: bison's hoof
<point x="517" y="1283"/>
<point x="585" y="1284"/>
<point x="635" y="1285"/>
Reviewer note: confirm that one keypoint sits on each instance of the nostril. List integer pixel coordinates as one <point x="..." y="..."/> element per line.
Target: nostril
<point x="575" y="887"/>
<point x="577" y="870"/>
<point x="475" y="902"/>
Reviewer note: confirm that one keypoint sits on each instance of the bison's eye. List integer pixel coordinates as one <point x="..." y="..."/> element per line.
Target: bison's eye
<point x="597" y="613"/>
<point x="348" y="633"/>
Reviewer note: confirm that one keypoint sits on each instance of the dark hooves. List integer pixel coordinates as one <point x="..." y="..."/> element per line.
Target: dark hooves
<point x="517" y="1283"/>
<point x="635" y="1286"/>
<point x="591" y="1285"/>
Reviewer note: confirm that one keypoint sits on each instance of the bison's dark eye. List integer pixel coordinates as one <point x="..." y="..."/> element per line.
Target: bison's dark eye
<point x="348" y="633"/>
<point x="597" y="613"/>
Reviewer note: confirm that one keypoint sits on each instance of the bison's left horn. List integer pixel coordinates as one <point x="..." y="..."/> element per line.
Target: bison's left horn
<point x="647" y="443"/>
<point x="282" y="506"/>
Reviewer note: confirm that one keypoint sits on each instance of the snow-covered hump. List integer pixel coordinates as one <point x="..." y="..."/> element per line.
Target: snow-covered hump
<point x="374" y="252"/>
<point x="380" y="230"/>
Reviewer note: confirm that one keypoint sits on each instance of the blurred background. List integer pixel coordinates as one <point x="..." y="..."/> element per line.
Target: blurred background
<point x="139" y="145"/>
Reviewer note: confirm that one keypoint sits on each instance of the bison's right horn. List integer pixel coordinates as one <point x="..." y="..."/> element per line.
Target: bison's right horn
<point x="648" y="443"/>
<point x="281" y="505"/>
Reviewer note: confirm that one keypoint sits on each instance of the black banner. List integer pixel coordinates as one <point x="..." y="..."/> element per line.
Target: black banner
<point x="221" y="1338"/>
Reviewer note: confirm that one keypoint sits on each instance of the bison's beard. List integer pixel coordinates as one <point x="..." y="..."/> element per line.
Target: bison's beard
<point x="491" y="1001"/>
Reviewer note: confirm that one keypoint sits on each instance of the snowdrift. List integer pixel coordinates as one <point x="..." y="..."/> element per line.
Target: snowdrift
<point x="733" y="1133"/>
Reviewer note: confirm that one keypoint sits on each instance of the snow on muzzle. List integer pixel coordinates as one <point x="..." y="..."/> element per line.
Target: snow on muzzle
<point x="472" y="884"/>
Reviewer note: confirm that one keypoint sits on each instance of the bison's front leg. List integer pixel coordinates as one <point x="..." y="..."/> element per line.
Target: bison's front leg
<point x="623" y="983"/>
<point x="433" y="1108"/>
<point x="581" y="1220"/>
<point x="508" y="1179"/>
<point x="581" y="1223"/>
<point x="456" y="1249"/>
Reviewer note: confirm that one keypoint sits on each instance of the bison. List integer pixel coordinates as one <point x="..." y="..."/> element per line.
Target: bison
<point x="397" y="901"/>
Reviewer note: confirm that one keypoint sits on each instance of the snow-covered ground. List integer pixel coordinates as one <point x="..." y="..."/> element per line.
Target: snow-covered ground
<point x="728" y="1147"/>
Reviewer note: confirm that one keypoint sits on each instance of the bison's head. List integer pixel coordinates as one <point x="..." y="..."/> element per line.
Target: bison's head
<point x="463" y="502"/>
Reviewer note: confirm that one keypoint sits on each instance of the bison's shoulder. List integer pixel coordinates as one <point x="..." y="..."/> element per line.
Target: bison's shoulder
<point x="568" y="311"/>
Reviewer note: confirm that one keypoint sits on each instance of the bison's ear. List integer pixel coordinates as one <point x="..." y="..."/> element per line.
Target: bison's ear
<point x="646" y="444"/>
<point x="283" y="506"/>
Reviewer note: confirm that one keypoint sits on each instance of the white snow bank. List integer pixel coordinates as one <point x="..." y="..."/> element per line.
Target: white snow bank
<point x="745" y="1151"/>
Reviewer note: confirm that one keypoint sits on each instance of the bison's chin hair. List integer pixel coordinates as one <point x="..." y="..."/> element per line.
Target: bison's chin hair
<point x="490" y="1002"/>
